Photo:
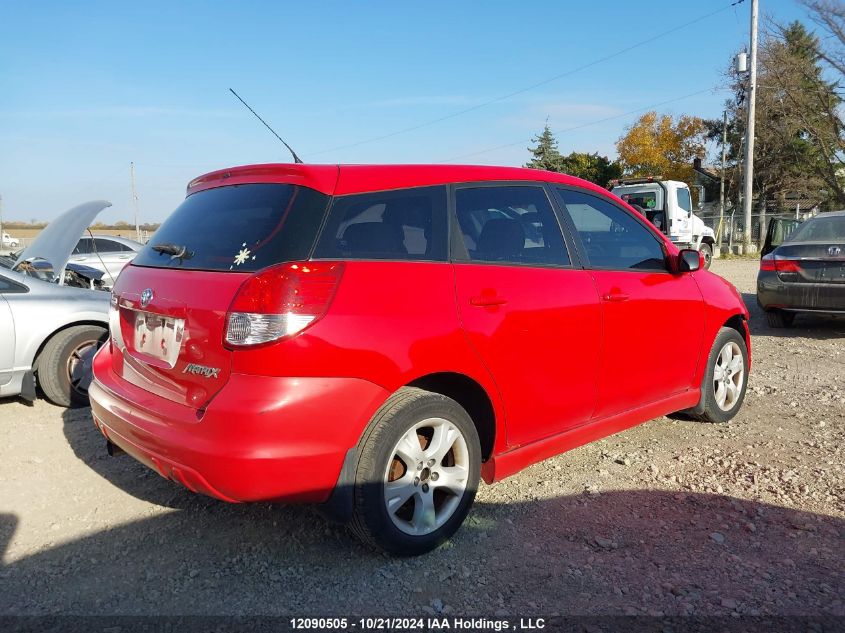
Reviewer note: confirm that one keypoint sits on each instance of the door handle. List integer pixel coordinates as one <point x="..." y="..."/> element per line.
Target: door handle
<point x="615" y="297"/>
<point x="487" y="302"/>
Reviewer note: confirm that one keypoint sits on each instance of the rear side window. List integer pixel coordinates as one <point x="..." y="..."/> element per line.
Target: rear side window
<point x="83" y="246"/>
<point x="612" y="238"/>
<point x="513" y="224"/>
<point x="109" y="246"/>
<point x="406" y="224"/>
<point x="239" y="228"/>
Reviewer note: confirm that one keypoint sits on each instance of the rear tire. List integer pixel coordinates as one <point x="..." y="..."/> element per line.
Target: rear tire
<point x="706" y="251"/>
<point x="64" y="366"/>
<point x="726" y="378"/>
<point x="779" y="318"/>
<point x="417" y="473"/>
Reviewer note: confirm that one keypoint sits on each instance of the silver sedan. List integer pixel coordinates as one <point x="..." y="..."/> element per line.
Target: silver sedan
<point x="49" y="330"/>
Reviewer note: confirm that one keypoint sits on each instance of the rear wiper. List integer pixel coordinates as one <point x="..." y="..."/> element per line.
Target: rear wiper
<point x="175" y="251"/>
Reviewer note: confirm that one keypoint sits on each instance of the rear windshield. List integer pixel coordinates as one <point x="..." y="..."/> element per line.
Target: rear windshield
<point x="820" y="229"/>
<point x="241" y="228"/>
<point x="642" y="199"/>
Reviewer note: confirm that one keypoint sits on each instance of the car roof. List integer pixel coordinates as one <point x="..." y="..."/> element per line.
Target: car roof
<point x="347" y="179"/>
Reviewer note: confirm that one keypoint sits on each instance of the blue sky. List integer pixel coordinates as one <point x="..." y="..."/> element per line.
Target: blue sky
<point x="88" y="87"/>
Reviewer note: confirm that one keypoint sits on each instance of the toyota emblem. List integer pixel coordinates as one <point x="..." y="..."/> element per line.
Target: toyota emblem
<point x="146" y="297"/>
<point x="834" y="251"/>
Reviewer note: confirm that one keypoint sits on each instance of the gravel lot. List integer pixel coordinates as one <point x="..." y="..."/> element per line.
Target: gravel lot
<point x="674" y="517"/>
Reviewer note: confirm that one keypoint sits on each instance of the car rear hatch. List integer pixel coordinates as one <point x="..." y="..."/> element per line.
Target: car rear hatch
<point x="810" y="262"/>
<point x="170" y="305"/>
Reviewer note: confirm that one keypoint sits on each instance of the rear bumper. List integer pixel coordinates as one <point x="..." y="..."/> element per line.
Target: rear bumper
<point x="816" y="297"/>
<point x="261" y="438"/>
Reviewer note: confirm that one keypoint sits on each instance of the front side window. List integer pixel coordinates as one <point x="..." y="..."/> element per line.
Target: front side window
<point x="612" y="238"/>
<point x="10" y="287"/>
<point x="404" y="224"/>
<point x="513" y="224"/>
<point x="684" y="201"/>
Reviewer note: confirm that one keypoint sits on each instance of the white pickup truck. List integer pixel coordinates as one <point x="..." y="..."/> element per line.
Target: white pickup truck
<point x="8" y="241"/>
<point x="668" y="205"/>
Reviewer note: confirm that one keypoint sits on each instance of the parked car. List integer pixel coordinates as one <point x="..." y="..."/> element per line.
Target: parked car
<point x="49" y="329"/>
<point x="778" y="231"/>
<point x="334" y="335"/>
<point x="106" y="253"/>
<point x="9" y="242"/>
<point x="806" y="272"/>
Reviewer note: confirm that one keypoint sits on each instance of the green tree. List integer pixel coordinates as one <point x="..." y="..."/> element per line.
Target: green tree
<point x="545" y="153"/>
<point x="799" y="142"/>
<point x="593" y="167"/>
<point x="807" y="109"/>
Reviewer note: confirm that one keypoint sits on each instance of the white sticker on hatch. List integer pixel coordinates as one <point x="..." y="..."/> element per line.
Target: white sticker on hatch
<point x="242" y="255"/>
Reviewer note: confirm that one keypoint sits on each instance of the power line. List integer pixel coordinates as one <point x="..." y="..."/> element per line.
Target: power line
<point x="504" y="97"/>
<point x="588" y="124"/>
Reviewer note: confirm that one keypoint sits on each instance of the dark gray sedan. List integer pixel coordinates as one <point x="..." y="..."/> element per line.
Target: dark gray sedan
<point x="806" y="273"/>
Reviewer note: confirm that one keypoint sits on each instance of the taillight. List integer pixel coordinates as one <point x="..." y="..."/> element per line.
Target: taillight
<point x="771" y="263"/>
<point x="281" y="301"/>
<point x="787" y="266"/>
<point x="767" y="263"/>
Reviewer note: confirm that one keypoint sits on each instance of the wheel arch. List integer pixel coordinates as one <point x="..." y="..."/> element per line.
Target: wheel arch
<point x="464" y="390"/>
<point x="468" y="393"/>
<point x="739" y="323"/>
<point x="62" y="328"/>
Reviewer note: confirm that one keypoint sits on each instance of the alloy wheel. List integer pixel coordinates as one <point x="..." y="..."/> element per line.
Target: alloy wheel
<point x="728" y="376"/>
<point x="426" y="476"/>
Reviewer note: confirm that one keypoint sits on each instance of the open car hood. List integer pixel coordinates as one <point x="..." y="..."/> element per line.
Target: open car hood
<point x="57" y="241"/>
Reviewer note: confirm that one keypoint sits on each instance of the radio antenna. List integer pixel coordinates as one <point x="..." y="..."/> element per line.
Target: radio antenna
<point x="296" y="158"/>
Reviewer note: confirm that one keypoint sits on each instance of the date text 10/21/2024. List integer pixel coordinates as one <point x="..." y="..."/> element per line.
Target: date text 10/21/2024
<point x="416" y="624"/>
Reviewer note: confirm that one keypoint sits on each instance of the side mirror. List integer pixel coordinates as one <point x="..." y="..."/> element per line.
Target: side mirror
<point x="700" y="202"/>
<point x="689" y="260"/>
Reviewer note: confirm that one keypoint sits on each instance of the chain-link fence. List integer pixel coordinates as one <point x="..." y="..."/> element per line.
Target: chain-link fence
<point x="732" y="225"/>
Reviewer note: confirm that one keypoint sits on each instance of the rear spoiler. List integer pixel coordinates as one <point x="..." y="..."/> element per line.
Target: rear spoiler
<point x="322" y="178"/>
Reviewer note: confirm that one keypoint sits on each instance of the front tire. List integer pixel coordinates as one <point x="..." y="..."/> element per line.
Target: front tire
<point x="706" y="251"/>
<point x="726" y="378"/>
<point x="417" y="473"/>
<point x="64" y="366"/>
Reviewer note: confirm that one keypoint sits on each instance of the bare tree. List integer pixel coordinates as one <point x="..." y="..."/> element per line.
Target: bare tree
<point x="830" y="16"/>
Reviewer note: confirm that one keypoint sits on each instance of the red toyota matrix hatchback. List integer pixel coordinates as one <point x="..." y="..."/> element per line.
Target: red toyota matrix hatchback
<point x="376" y="339"/>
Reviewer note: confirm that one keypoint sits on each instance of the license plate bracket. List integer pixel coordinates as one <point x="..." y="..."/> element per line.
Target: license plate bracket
<point x="158" y="337"/>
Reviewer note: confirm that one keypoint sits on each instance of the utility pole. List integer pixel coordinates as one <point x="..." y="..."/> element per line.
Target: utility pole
<point x="1" y="223"/>
<point x="135" y="201"/>
<point x="722" y="178"/>
<point x="749" y="134"/>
